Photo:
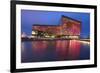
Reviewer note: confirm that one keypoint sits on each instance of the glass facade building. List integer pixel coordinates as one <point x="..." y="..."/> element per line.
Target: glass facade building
<point x="67" y="28"/>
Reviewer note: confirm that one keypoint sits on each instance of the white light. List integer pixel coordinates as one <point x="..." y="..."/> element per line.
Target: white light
<point x="85" y="42"/>
<point x="73" y="37"/>
<point x="33" y="32"/>
<point x="52" y="36"/>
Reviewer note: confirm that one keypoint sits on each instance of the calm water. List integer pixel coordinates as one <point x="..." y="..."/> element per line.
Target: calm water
<point x="59" y="50"/>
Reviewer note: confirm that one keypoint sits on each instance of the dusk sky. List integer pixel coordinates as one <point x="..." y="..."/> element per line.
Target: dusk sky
<point x="30" y="17"/>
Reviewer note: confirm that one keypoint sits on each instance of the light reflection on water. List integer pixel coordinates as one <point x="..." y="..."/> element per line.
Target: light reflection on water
<point x="59" y="50"/>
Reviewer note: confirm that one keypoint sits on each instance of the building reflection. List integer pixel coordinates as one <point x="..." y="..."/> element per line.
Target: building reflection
<point x="39" y="48"/>
<point x="62" y="49"/>
<point x="74" y="49"/>
<point x="68" y="49"/>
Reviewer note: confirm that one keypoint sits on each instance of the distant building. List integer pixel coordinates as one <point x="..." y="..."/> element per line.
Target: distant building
<point x="69" y="28"/>
<point x="23" y="35"/>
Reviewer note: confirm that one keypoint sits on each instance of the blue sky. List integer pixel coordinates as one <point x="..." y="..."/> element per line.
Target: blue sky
<point x="31" y="17"/>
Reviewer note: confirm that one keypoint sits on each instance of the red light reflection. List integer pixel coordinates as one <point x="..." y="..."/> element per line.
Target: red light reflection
<point x="63" y="49"/>
<point x="74" y="49"/>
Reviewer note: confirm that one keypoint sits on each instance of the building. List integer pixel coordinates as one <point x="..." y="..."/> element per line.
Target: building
<point x="69" y="28"/>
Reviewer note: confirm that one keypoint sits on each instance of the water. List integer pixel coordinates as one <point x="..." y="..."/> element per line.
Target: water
<point x="58" y="50"/>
